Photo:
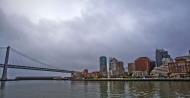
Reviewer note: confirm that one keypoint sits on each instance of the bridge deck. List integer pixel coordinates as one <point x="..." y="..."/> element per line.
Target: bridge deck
<point x="37" y="68"/>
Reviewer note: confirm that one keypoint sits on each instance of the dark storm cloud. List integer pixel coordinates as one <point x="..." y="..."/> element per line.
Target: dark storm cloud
<point x="124" y="29"/>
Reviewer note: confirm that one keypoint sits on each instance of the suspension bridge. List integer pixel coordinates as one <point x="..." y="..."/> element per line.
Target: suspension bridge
<point x="11" y="58"/>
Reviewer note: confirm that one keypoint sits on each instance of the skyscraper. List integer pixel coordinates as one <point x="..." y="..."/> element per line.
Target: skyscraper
<point x="160" y="54"/>
<point x="120" y="68"/>
<point x="113" y="65"/>
<point x="103" y="65"/>
<point x="116" y="67"/>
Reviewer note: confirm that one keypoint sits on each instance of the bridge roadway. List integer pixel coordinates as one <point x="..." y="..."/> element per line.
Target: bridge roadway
<point x="38" y="68"/>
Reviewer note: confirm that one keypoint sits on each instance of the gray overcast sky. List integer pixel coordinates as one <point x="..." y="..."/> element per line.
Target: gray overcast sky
<point x="74" y="33"/>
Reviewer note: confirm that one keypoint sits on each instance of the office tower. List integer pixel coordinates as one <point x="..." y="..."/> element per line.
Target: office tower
<point x="142" y="64"/>
<point x="103" y="65"/>
<point x="131" y="68"/>
<point x="160" y="54"/>
<point x="113" y="65"/>
<point x="116" y="67"/>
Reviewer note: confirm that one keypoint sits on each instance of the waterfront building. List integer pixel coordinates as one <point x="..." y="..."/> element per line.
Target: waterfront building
<point x="113" y="65"/>
<point x="161" y="71"/>
<point x="116" y="67"/>
<point x="165" y="61"/>
<point x="85" y="73"/>
<point x="77" y="75"/>
<point x="103" y="66"/>
<point x="160" y="54"/>
<point x="141" y="67"/>
<point x="120" y="68"/>
<point x="142" y="64"/>
<point x="131" y="68"/>
<point x="152" y="65"/>
<point x="94" y="75"/>
<point x="181" y="67"/>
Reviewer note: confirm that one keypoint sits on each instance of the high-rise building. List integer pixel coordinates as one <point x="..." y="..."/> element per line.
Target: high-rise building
<point x="131" y="68"/>
<point x="160" y="54"/>
<point x="142" y="64"/>
<point x="120" y="68"/>
<point x="116" y="67"/>
<point x="152" y="65"/>
<point x="103" y="65"/>
<point x="141" y="67"/>
<point x="113" y="65"/>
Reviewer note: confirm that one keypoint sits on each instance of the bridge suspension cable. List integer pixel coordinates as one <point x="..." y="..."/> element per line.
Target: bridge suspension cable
<point x="18" y="60"/>
<point x="32" y="59"/>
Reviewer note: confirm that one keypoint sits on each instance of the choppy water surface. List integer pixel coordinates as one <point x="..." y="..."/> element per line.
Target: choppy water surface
<point x="92" y="89"/>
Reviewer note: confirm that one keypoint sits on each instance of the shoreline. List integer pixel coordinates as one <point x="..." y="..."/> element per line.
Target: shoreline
<point x="131" y="79"/>
<point x="134" y="79"/>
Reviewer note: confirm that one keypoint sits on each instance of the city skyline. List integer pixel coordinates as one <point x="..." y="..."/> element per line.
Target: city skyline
<point x="75" y="36"/>
<point x="94" y="48"/>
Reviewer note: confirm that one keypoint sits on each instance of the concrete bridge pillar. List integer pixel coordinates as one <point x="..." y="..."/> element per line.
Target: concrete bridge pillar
<point x="4" y="75"/>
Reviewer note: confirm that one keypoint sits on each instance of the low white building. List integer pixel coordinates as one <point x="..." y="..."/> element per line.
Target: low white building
<point x="160" y="71"/>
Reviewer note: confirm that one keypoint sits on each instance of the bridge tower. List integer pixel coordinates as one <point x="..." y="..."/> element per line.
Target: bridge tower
<point x="4" y="75"/>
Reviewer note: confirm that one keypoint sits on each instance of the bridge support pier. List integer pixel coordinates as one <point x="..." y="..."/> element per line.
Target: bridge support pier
<point x="4" y="75"/>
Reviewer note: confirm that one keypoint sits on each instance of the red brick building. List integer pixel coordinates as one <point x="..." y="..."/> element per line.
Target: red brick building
<point x="142" y="64"/>
<point x="141" y="67"/>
